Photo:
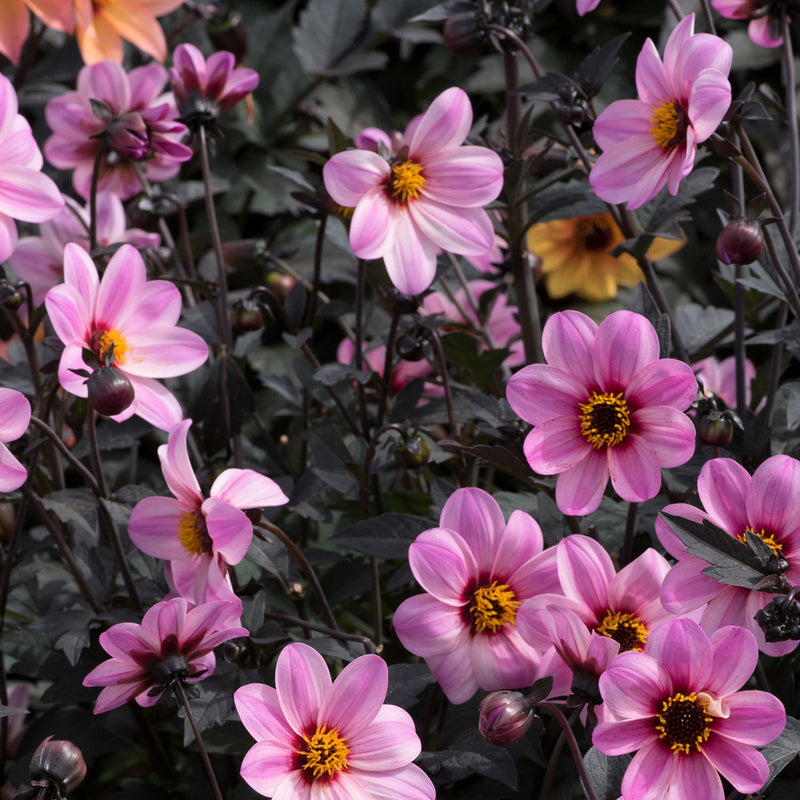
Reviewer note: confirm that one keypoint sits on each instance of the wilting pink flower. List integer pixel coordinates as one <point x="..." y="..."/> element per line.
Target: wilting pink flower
<point x="429" y="196"/>
<point x="15" y="416"/>
<point x="15" y="22"/>
<point x="319" y="738"/>
<point x="477" y="571"/>
<point x="765" y="26"/>
<point x="719" y="377"/>
<point x="200" y="537"/>
<point x="651" y="142"/>
<point x="103" y="25"/>
<point x="137" y="317"/>
<point x="623" y="607"/>
<point x="25" y="193"/>
<point x="604" y="405"/>
<point x="174" y="642"/>
<point x="766" y="505"/>
<point x="136" y="126"/>
<point x="677" y="705"/>
<point x="204" y="90"/>
<point x="39" y="260"/>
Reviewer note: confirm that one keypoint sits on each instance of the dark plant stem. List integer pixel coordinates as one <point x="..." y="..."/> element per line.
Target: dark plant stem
<point x="775" y="363"/>
<point x="737" y="183"/>
<point x="791" y="120"/>
<point x="305" y="566"/>
<point x="441" y="363"/>
<point x="550" y="772"/>
<point x="708" y="16"/>
<point x="630" y="533"/>
<point x="94" y="453"/>
<point x="335" y="633"/>
<point x="86" y="474"/>
<point x="359" y="345"/>
<point x="313" y="294"/>
<point x="180" y="696"/>
<point x="388" y="366"/>
<point x="675" y="8"/>
<point x="788" y="285"/>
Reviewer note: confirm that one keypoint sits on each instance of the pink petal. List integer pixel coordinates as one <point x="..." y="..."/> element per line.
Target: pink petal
<point x="622" y="736"/>
<point x="735" y="658"/>
<point x="760" y="31"/>
<point x="444" y="125"/>
<point x="428" y="627"/>
<point x="683" y="651"/>
<point x="260" y="713"/>
<point x="580" y="489"/>
<point x="303" y="681"/>
<point x="696" y="777"/>
<point x="411" y="259"/>
<point x="637" y="586"/>
<point x="464" y="176"/>
<point x="356" y="696"/>
<point x="164" y="351"/>
<point x="230" y="529"/>
<point x="568" y="344"/>
<point x="410" y="783"/>
<point x="245" y="488"/>
<point x="15" y="414"/>
<point x="153" y="527"/>
<point x="649" y="775"/>
<point x="19" y="147"/>
<point x="268" y="763"/>
<point x="653" y="82"/>
<point x="67" y="311"/>
<point x="8" y="236"/>
<point x="703" y="55"/>
<point x="621" y="121"/>
<point x="154" y="403"/>
<point x="756" y="718"/>
<point x="12" y="473"/>
<point x="721" y="485"/>
<point x="686" y="588"/>
<point x="625" y="343"/>
<point x="585" y="571"/>
<point x="520" y="541"/>
<point x="476" y="517"/>
<point x="443" y="565"/>
<point x="466" y="231"/>
<point x="115" y="696"/>
<point x="666" y="382"/>
<point x="709" y="101"/>
<point x="556" y="445"/>
<point x="28" y="195"/>
<point x="351" y="174"/>
<point x="177" y="467"/>
<point x="539" y="392"/>
<point x="120" y="288"/>
<point x="772" y="498"/>
<point x="454" y="673"/>
<point x="634" y="469"/>
<point x="81" y="274"/>
<point x="503" y="660"/>
<point x="669" y="540"/>
<point x="106" y="81"/>
<point x="374" y="223"/>
<point x="680" y="38"/>
<point x="669" y="433"/>
<point x="745" y="768"/>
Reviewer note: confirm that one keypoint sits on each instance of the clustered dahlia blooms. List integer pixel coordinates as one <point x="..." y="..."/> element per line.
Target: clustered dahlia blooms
<point x="317" y="738"/>
<point x="200" y="537"/>
<point x="130" y="318"/>
<point x="427" y="197"/>
<point x="651" y="142"/>
<point x="477" y="570"/>
<point x="604" y="405"/>
<point x="123" y="116"/>
<point x="677" y="705"/>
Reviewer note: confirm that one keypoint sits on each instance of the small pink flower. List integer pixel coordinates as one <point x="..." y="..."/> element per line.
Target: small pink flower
<point x="25" y="193"/>
<point x="719" y="377"/>
<point x="765" y="18"/>
<point x="136" y="125"/>
<point x="677" y="706"/>
<point x="317" y="738"/>
<point x="138" y="317"/>
<point x="766" y="505"/>
<point x="651" y="142"/>
<point x="39" y="260"/>
<point x="604" y="405"/>
<point x="200" y="537"/>
<point x="174" y="642"/>
<point x="15" y="416"/>
<point x="477" y="570"/>
<point x="428" y="197"/>
<point x="204" y="90"/>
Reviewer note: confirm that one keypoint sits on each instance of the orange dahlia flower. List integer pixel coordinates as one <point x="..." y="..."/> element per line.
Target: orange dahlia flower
<point x="15" y="24"/>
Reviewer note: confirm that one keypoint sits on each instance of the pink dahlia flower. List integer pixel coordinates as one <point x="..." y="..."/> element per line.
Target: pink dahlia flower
<point x="39" y="260"/>
<point x="25" y="193"/>
<point x="137" y="317"/>
<point x="174" y="642"/>
<point x="677" y="706"/>
<point x="766" y="505"/>
<point x="719" y="377"/>
<point x="604" y="405"/>
<point x="623" y="607"/>
<point x="477" y="570"/>
<point x="15" y="416"/>
<point x="317" y="738"/>
<point x="200" y="537"/>
<point x="651" y="142"/>
<point x="765" y="27"/>
<point x="136" y="126"/>
<point x="205" y="89"/>
<point x="429" y="196"/>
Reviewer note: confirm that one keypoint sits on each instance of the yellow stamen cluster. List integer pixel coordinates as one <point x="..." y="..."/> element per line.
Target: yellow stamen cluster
<point x="666" y="121"/>
<point x="767" y="538"/>
<point x="407" y="181"/>
<point x="325" y="753"/>
<point x="624" y="628"/>
<point x="493" y="607"/>
<point x="683" y="723"/>
<point x="113" y="336"/>
<point x="605" y="419"/>
<point x="193" y="534"/>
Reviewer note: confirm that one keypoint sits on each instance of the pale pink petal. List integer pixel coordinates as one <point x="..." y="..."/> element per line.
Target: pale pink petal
<point x="356" y="696"/>
<point x="568" y="344"/>
<point x="28" y="195"/>
<point x="521" y="540"/>
<point x="452" y="672"/>
<point x="351" y="174"/>
<point x="666" y="382"/>
<point x="678" y="41"/>
<point x="268" y="763"/>
<point x="8" y="236"/>
<point x="622" y="120"/>
<point x="723" y="485"/>
<point x="245" y="488"/>
<point x="15" y="414"/>
<point x="634" y="469"/>
<point x="443" y="565"/>
<point x="295" y="786"/>
<point x="686" y="588"/>
<point x="668" y="432"/>
<point x="154" y="403"/>
<point x="154" y="525"/>
<point x="120" y="288"/>
<point x="735" y="658"/>
<point x="464" y="177"/>
<point x="389" y="742"/>
<point x="625" y="343"/>
<point x="373" y="225"/>
<point x="165" y="351"/>
<point x="623" y="736"/>
<point x="756" y="718"/>
<point x="745" y="768"/>
<point x="503" y="660"/>
<point x="19" y="147"/>
<point x="579" y="490"/>
<point x="703" y="56"/>
<point x="556" y="445"/>
<point x="540" y="392"/>
<point x="67" y="311"/>
<point x="411" y="259"/>
<point x="653" y="82"/>
<point x="696" y="777"/>
<point x="230" y="529"/>
<point x="72" y="359"/>
<point x="585" y="571"/>
<point x="12" y="473"/>
<point x="370" y="138"/>
<point x="260" y="713"/>
<point x="177" y="467"/>
<point x="466" y="231"/>
<point x="428" y="627"/>
<point x="477" y="518"/>
<point x="106" y="81"/>
<point x="760" y="31"/>
<point x="81" y="274"/>
<point x="683" y="650"/>
<point x="649" y="774"/>
<point x="709" y="101"/>
<point x="539" y="574"/>
<point x="444" y="125"/>
<point x="637" y="586"/>
<point x="303" y="681"/>
<point x="409" y="782"/>
<point x="32" y="262"/>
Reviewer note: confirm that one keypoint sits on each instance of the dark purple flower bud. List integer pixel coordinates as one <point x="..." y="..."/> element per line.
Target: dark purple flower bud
<point x="57" y="762"/>
<point x="505" y="717"/>
<point x="128" y="136"/>
<point x="462" y="34"/>
<point x="740" y="242"/>
<point x="110" y="391"/>
<point x="716" y="428"/>
<point x="246" y="316"/>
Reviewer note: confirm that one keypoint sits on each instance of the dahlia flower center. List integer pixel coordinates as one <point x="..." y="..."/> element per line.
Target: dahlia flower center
<point x="493" y="607"/>
<point x="594" y="234"/>
<point x="683" y="723"/>
<point x="193" y="534"/>
<point x="624" y="628"/>
<point x="102" y="342"/>
<point x="767" y="538"/>
<point x="407" y="181"/>
<point x="605" y="419"/>
<point x="325" y="753"/>
<point x="669" y="124"/>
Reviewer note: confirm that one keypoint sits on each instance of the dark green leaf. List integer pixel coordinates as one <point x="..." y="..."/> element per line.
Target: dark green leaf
<point x="551" y="86"/>
<point x="385" y="536"/>
<point x="606" y="773"/>
<point x="781" y="751"/>
<point x="596" y="67"/>
<point x="644" y="304"/>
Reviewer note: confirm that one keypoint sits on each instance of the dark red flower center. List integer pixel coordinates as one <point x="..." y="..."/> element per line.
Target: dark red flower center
<point x="683" y="724"/>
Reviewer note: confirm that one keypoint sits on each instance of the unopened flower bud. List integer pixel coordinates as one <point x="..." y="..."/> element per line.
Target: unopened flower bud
<point x="243" y="253"/>
<point x="505" y="717"/>
<point x="280" y="283"/>
<point x="110" y="391"/>
<point x="462" y="34"/>
<point x="127" y="135"/>
<point x="716" y="428"/>
<point x="57" y="762"/>
<point x="246" y="316"/>
<point x="412" y="451"/>
<point x="740" y="242"/>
